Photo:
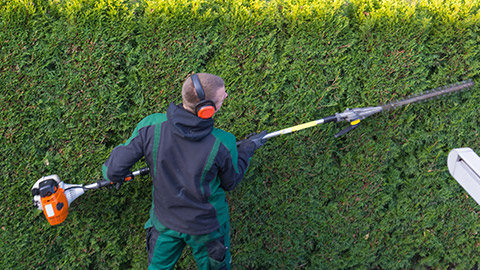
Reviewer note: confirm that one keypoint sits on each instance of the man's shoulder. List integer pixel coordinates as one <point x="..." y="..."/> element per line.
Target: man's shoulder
<point x="152" y="119"/>
<point x="227" y="138"/>
<point x="220" y="133"/>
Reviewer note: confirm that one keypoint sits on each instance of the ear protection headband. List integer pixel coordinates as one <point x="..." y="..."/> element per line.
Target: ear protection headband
<point x="205" y="108"/>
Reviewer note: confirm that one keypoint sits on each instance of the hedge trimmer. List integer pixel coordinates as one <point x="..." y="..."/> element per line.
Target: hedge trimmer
<point x="53" y="196"/>
<point x="355" y="116"/>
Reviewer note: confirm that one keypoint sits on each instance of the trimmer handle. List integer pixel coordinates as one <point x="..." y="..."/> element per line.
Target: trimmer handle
<point x="347" y="129"/>
<point x="103" y="183"/>
<point x="129" y="177"/>
<point x="140" y="172"/>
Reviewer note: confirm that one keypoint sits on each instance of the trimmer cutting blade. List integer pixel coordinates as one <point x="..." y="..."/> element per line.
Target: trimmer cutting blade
<point x="354" y="116"/>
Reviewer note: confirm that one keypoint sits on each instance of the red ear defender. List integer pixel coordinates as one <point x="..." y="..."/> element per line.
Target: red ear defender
<point x="205" y="108"/>
<point x="205" y="111"/>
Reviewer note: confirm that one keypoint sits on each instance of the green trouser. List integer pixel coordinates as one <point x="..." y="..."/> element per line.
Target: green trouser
<point x="211" y="251"/>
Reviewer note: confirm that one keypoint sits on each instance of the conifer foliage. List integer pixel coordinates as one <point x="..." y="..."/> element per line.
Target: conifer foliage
<point x="76" y="76"/>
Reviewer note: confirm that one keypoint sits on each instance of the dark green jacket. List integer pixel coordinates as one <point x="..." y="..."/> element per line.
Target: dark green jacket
<point x="191" y="163"/>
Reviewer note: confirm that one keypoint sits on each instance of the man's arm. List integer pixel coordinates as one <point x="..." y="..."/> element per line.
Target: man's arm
<point x="233" y="170"/>
<point x="123" y="157"/>
<point x="234" y="162"/>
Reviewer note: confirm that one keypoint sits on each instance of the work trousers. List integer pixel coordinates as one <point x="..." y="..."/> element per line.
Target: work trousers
<point x="210" y="251"/>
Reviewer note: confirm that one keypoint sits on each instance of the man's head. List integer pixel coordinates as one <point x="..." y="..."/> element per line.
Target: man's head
<point x="213" y="87"/>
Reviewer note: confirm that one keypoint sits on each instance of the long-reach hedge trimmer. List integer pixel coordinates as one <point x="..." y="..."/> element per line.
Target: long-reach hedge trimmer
<point x="53" y="196"/>
<point x="354" y="116"/>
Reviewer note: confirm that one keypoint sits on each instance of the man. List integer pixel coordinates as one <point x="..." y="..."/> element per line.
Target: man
<point x="192" y="164"/>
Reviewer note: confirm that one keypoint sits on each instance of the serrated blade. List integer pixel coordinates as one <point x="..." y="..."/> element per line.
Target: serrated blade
<point x="431" y="94"/>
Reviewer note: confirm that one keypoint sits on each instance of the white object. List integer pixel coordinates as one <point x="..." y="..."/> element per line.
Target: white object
<point x="37" y="202"/>
<point x="464" y="166"/>
<point x="72" y="191"/>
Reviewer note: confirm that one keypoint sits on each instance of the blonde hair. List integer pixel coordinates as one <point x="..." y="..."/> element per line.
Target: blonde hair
<point x="210" y="84"/>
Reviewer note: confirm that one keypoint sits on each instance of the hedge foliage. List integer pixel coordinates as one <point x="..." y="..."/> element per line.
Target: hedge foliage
<point x="77" y="75"/>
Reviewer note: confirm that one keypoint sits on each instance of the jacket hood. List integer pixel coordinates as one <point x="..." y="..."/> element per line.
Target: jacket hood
<point x="187" y="125"/>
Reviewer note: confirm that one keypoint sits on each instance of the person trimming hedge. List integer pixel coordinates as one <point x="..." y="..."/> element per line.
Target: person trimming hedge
<point x="192" y="164"/>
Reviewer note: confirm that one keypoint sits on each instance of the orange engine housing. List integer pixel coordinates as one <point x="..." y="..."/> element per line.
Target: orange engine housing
<point x="55" y="206"/>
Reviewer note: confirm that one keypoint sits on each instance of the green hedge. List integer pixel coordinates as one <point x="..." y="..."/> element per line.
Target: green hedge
<point x="76" y="76"/>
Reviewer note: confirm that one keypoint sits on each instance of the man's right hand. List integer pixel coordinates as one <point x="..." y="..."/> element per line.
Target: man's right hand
<point x="257" y="139"/>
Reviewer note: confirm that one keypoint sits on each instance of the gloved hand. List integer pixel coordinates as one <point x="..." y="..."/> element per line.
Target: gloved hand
<point x="110" y="185"/>
<point x="257" y="139"/>
<point x="118" y="185"/>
